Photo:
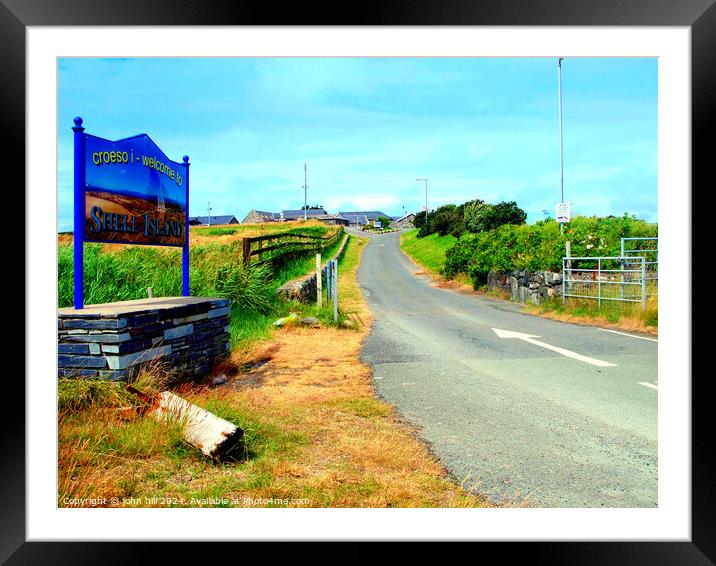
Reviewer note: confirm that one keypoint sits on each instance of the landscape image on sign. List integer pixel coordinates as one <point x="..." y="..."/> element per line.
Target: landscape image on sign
<point x="134" y="194"/>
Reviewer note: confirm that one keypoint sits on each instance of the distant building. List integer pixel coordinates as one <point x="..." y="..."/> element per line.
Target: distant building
<point x="299" y="214"/>
<point x="359" y="218"/>
<point x="212" y="220"/>
<point x="404" y="221"/>
<point x="259" y="216"/>
<point x="334" y="219"/>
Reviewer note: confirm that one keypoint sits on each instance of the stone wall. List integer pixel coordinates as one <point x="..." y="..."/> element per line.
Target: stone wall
<point x="304" y="288"/>
<point x="187" y="335"/>
<point x="525" y="286"/>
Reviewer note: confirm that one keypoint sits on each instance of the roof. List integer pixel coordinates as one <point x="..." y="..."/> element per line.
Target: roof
<point x="360" y="215"/>
<point x="226" y="219"/>
<point x="310" y="213"/>
<point x="396" y="219"/>
<point x="274" y="215"/>
<point x="333" y="216"/>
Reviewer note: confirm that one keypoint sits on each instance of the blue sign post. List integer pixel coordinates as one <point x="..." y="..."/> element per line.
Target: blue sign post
<point x="185" y="249"/>
<point x="128" y="191"/>
<point x="79" y="191"/>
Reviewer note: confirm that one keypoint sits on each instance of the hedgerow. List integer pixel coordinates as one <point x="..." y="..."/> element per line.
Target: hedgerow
<point x="541" y="246"/>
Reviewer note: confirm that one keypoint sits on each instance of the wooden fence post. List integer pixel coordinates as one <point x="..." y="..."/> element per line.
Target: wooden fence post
<point x="246" y="243"/>
<point x="335" y="294"/>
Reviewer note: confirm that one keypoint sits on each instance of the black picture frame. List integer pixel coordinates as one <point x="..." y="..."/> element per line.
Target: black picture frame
<point x="699" y="15"/>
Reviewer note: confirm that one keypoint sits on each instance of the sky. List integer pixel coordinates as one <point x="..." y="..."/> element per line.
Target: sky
<point x="367" y="128"/>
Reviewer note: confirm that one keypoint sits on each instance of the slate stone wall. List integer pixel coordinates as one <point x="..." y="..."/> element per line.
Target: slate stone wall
<point x="186" y="337"/>
<point x="525" y="286"/>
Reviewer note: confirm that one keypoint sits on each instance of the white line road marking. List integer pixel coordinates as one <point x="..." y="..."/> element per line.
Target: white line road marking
<point x="568" y="353"/>
<point x="645" y="384"/>
<point x="630" y="335"/>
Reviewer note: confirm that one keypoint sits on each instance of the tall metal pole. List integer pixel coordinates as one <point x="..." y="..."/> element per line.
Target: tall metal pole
<point x="208" y="210"/>
<point x="305" y="188"/>
<point x="426" y="195"/>
<point x="561" y="159"/>
<point x="79" y="217"/>
<point x="185" y="248"/>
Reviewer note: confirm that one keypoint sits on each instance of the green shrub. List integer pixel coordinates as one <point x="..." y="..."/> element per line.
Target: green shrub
<point x="481" y="216"/>
<point x="541" y="246"/>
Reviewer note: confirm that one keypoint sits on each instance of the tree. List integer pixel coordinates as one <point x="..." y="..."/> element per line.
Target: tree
<point x="420" y="219"/>
<point x="475" y="215"/>
<point x="384" y="221"/>
<point x="481" y="216"/>
<point x="447" y="220"/>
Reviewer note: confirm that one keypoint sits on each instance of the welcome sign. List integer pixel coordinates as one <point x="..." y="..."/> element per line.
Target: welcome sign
<point x="133" y="193"/>
<point x="128" y="191"/>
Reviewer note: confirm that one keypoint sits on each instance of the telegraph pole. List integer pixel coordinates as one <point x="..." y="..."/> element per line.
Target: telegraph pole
<point x="208" y="210"/>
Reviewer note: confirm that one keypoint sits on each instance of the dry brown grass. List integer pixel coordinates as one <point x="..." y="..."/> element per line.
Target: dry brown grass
<point x="197" y="234"/>
<point x="315" y="431"/>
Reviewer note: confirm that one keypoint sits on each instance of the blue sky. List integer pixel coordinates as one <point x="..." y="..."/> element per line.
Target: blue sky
<point x="475" y="127"/>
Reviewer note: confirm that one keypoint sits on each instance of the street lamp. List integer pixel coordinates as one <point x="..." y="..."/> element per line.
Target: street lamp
<point x="426" y="195"/>
<point x="561" y="159"/>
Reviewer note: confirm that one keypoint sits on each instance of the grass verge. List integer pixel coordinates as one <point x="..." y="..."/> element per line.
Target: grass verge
<point x="315" y="435"/>
<point x="428" y="252"/>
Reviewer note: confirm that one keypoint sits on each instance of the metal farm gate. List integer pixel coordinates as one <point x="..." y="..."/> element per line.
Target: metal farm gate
<point x="607" y="278"/>
<point x="648" y="248"/>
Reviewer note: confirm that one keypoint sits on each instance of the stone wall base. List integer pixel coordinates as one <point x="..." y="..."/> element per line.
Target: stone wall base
<point x="184" y="336"/>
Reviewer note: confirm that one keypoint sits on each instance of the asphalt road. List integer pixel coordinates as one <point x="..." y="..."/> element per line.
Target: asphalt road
<point x="507" y="417"/>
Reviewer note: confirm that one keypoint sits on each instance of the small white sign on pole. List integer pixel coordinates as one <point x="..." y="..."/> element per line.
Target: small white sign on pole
<point x="563" y="212"/>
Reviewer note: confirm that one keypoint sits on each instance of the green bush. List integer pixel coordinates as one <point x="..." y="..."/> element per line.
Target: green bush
<point x="541" y="246"/>
<point x="473" y="216"/>
<point x="480" y="216"/>
<point x="384" y="221"/>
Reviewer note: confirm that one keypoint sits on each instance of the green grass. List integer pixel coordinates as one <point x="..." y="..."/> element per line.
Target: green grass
<point x="222" y="231"/>
<point x="428" y="252"/>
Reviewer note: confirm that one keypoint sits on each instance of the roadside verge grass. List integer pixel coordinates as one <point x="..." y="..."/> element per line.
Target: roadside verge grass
<point x="428" y="252"/>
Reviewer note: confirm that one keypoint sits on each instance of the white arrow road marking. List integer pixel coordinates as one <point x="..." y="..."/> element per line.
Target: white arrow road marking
<point x="531" y="339"/>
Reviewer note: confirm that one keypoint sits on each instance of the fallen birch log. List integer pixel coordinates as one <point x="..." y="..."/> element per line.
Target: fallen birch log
<point x="214" y="436"/>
